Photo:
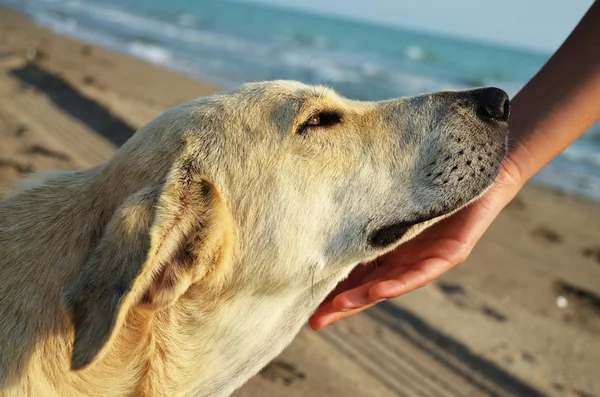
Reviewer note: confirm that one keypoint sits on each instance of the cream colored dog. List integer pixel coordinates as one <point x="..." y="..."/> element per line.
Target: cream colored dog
<point x="189" y="260"/>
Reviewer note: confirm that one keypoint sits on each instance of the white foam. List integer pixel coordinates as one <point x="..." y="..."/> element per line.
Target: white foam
<point x="415" y="53"/>
<point x="371" y="69"/>
<point x="151" y="53"/>
<point x="157" y="28"/>
<point x="62" y="25"/>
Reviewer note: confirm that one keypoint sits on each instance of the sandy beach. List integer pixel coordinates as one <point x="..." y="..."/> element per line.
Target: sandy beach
<point x="490" y="327"/>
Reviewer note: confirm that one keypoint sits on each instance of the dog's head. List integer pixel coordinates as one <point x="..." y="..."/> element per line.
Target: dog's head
<point x="275" y="178"/>
<point x="309" y="176"/>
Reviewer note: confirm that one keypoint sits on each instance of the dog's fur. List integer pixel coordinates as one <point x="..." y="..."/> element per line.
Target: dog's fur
<point x="190" y="259"/>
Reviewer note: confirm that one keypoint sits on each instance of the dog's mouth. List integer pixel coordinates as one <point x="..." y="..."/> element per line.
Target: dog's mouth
<point x="387" y="235"/>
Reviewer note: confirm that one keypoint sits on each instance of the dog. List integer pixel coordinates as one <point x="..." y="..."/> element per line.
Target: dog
<point x="190" y="259"/>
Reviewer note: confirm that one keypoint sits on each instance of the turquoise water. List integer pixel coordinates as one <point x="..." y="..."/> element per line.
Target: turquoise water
<point x="230" y="43"/>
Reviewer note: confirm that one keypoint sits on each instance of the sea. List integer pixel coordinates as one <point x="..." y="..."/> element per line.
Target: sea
<point x="229" y="43"/>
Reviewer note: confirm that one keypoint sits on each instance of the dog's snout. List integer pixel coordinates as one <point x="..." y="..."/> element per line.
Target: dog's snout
<point x="492" y="103"/>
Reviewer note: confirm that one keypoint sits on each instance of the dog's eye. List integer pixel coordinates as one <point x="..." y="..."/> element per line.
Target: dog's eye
<point x="314" y="120"/>
<point x="324" y="119"/>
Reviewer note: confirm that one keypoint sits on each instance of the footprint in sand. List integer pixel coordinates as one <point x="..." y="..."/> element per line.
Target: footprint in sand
<point x="20" y="131"/>
<point x="511" y="355"/>
<point x="44" y="151"/>
<point x="592" y="253"/>
<point x="566" y="391"/>
<point x="587" y="299"/>
<point x="457" y="294"/>
<point x="547" y="235"/>
<point x="583" y="305"/>
<point x="282" y="371"/>
<point x="16" y="166"/>
<point x="87" y="50"/>
<point x="88" y="79"/>
<point x="493" y="314"/>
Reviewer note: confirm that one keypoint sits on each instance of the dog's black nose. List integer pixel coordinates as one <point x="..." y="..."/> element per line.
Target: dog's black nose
<point x="492" y="103"/>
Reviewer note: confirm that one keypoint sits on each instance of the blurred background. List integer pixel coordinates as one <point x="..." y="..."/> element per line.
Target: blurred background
<point x="365" y="49"/>
<point x="520" y="318"/>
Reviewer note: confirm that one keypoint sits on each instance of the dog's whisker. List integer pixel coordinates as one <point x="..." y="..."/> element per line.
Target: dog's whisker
<point x="309" y="72"/>
<point x="312" y="283"/>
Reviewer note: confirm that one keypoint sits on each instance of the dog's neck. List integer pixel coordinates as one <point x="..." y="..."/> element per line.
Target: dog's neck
<point x="208" y="334"/>
<point x="222" y="341"/>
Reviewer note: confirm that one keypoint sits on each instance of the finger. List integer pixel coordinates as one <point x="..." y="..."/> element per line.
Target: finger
<point x="353" y="298"/>
<point x="406" y="280"/>
<point x="356" y="278"/>
<point x="327" y="316"/>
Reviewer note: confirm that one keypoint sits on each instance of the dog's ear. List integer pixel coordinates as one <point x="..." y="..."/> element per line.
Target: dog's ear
<point x="155" y="246"/>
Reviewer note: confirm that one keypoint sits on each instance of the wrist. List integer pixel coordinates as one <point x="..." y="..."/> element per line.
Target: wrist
<point x="509" y="181"/>
<point x="525" y="122"/>
<point x="519" y="165"/>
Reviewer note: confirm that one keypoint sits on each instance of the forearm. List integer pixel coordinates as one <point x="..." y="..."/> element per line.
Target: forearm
<point x="561" y="102"/>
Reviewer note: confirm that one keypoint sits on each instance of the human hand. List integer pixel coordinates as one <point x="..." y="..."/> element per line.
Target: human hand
<point x="422" y="259"/>
<point x="555" y="108"/>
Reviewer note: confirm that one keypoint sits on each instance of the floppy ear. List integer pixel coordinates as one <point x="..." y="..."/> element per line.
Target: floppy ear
<point x="156" y="244"/>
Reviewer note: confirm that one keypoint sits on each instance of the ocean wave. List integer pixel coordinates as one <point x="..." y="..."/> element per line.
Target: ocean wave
<point x="191" y="21"/>
<point x="582" y="153"/>
<point x="152" y="53"/>
<point x="145" y="37"/>
<point x="307" y="39"/>
<point x="184" y="29"/>
<point x="340" y="69"/>
<point x="71" y="27"/>
<point x="312" y="57"/>
<point x="417" y="53"/>
<point x="569" y="180"/>
<point x="57" y="21"/>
